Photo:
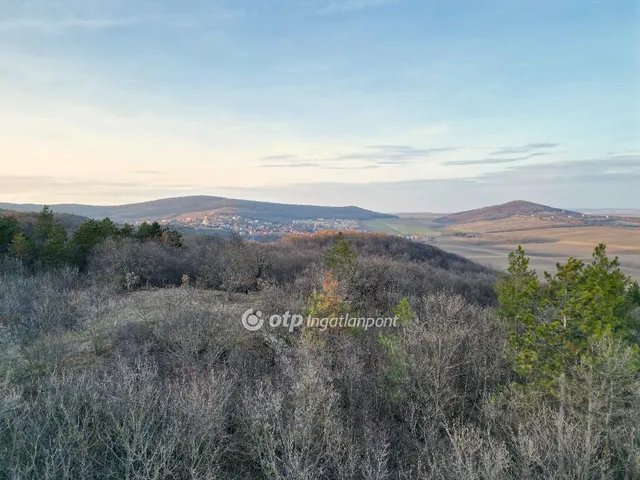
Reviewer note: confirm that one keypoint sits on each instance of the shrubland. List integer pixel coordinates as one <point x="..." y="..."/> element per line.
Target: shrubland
<point x="123" y="356"/>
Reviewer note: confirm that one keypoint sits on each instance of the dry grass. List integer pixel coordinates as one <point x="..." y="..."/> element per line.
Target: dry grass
<point x="576" y="238"/>
<point x="506" y="225"/>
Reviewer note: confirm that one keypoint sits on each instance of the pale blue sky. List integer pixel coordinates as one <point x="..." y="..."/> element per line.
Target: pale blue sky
<point x="412" y="105"/>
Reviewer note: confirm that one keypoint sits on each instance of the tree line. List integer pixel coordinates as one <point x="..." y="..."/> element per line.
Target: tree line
<point x="47" y="244"/>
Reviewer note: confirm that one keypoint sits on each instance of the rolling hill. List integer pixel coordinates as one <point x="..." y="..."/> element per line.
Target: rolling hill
<point x="198" y="206"/>
<point x="506" y="210"/>
<point x="27" y="219"/>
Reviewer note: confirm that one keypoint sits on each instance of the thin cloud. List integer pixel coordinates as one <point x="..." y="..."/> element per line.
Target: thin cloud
<point x="317" y="165"/>
<point x="346" y="167"/>
<point x="279" y="158"/>
<point x="530" y="147"/>
<point x="391" y="154"/>
<point x="53" y="26"/>
<point x="95" y="17"/>
<point x="541" y="183"/>
<point x="290" y="165"/>
<point x="620" y="170"/>
<point x="543" y="145"/>
<point x="371" y="155"/>
<point x="492" y="161"/>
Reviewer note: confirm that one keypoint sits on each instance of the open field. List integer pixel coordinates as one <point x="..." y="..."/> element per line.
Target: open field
<point x="420" y="215"/>
<point x="574" y="239"/>
<point x="543" y="256"/>
<point x="506" y="225"/>
<point x="401" y="226"/>
<point x="546" y="240"/>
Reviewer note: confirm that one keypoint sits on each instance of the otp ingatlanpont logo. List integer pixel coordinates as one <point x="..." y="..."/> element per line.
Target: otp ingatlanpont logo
<point x="252" y="321"/>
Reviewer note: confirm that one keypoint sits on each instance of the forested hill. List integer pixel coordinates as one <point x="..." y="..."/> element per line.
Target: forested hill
<point x="197" y="206"/>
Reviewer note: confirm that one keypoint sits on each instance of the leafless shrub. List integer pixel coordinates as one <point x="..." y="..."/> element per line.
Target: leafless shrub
<point x="294" y="425"/>
<point x="122" y="423"/>
<point x="35" y="304"/>
<point x="178" y="389"/>
<point x="127" y="264"/>
<point x="474" y="456"/>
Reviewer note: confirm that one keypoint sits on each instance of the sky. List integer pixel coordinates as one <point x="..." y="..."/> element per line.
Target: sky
<point x="392" y="105"/>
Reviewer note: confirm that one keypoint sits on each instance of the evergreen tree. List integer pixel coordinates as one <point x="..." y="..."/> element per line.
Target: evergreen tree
<point x="55" y="251"/>
<point x="340" y="258"/>
<point x="127" y="231"/>
<point x="173" y="238"/>
<point x="20" y="247"/>
<point x="44" y="224"/>
<point x="149" y="231"/>
<point x="88" y="235"/>
<point x="555" y="327"/>
<point x="9" y="226"/>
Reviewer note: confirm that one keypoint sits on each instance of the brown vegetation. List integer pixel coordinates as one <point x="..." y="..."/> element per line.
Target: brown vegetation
<point x="105" y="377"/>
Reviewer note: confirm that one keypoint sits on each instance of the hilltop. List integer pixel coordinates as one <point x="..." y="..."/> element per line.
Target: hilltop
<point x="506" y="210"/>
<point x="201" y="205"/>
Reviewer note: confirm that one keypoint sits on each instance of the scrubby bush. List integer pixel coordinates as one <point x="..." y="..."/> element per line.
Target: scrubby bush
<point x="126" y="264"/>
<point x="164" y="383"/>
<point x="44" y="302"/>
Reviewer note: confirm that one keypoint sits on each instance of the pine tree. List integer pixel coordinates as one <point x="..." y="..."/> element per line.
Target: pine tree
<point x="339" y="258"/>
<point x="20" y="247"/>
<point x="9" y="226"/>
<point x="149" y="231"/>
<point x="88" y="235"/>
<point x="173" y="238"/>
<point x="127" y="231"/>
<point x="555" y="327"/>
<point x="44" y="224"/>
<point x="55" y="252"/>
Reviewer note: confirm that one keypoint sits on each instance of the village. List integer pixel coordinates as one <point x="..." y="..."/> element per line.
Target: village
<point x="212" y="224"/>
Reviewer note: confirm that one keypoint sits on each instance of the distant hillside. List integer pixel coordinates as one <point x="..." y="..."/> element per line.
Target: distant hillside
<point x="198" y="206"/>
<point x="506" y="210"/>
<point x="27" y="219"/>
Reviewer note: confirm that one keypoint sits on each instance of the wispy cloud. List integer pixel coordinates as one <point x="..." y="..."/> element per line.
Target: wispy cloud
<point x="530" y="147"/>
<point x="623" y="170"/>
<point x="384" y="154"/>
<point x="53" y="17"/>
<point x="279" y="158"/>
<point x="492" y="160"/>
<point x="290" y="165"/>
<point x="349" y="167"/>
<point x="63" y="189"/>
<point x="542" y="183"/>
<point x="367" y="157"/>
<point x="55" y="26"/>
<point x="320" y="166"/>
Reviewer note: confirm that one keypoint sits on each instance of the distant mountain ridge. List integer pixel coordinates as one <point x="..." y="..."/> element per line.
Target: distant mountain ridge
<point x="505" y="210"/>
<point x="201" y="205"/>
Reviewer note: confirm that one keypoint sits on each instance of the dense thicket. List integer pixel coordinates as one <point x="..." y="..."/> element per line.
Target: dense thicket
<point x="46" y="240"/>
<point x="137" y="366"/>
